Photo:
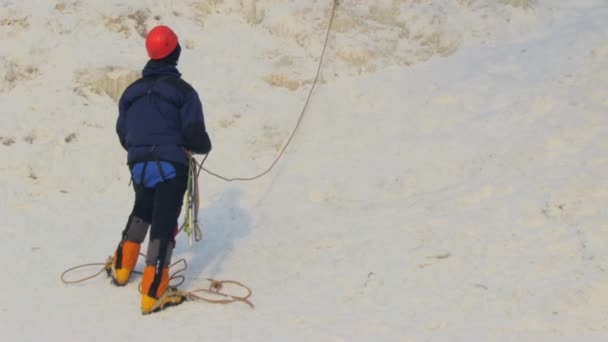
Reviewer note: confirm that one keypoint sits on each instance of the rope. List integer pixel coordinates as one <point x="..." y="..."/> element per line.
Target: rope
<point x="105" y="266"/>
<point x="214" y="289"/>
<point x="304" y="108"/>
<point x="215" y="286"/>
<point x="191" y="203"/>
<point x="186" y="227"/>
<point x="65" y="281"/>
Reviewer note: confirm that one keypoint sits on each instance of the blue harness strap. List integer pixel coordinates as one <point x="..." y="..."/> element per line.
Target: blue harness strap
<point x="151" y="176"/>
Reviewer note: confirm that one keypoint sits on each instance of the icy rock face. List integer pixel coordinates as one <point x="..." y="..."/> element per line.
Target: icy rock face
<point x="370" y="35"/>
<point x="110" y="81"/>
<point x="252" y="60"/>
<point x="367" y="36"/>
<point x="526" y="4"/>
<point x="448" y="179"/>
<point x="15" y="72"/>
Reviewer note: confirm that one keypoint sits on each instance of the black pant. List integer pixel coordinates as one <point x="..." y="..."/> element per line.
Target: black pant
<point x="161" y="205"/>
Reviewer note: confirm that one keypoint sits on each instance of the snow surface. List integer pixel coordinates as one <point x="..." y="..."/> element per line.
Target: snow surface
<point x="448" y="182"/>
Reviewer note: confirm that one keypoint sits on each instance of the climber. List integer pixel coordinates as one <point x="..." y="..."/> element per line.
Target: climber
<point x="160" y="122"/>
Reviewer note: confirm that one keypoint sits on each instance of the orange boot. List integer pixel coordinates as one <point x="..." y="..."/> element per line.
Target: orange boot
<point x="156" y="294"/>
<point x="123" y="262"/>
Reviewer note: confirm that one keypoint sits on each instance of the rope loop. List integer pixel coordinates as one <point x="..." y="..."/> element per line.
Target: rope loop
<point x="64" y="274"/>
<point x="214" y="290"/>
<point x="301" y="117"/>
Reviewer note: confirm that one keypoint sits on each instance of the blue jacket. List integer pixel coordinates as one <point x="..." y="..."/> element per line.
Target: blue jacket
<point x="160" y="115"/>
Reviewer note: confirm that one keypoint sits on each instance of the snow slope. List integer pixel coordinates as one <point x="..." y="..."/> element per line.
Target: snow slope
<point x="448" y="181"/>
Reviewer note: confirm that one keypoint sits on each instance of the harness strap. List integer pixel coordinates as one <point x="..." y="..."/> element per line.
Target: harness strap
<point x="142" y="175"/>
<point x="150" y="91"/>
<point x="157" y="161"/>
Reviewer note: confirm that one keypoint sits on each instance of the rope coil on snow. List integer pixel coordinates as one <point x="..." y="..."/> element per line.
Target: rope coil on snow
<point x="66" y="281"/>
<point x="215" y="286"/>
<point x="214" y="289"/>
<point x="105" y="266"/>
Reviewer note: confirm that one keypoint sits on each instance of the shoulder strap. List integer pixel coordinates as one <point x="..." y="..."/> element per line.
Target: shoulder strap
<point x="182" y="86"/>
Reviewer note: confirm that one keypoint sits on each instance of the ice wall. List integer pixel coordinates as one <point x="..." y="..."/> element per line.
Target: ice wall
<point x="64" y="64"/>
<point x="367" y="35"/>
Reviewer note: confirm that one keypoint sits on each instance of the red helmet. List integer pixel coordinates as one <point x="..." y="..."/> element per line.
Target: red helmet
<point x="161" y="41"/>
